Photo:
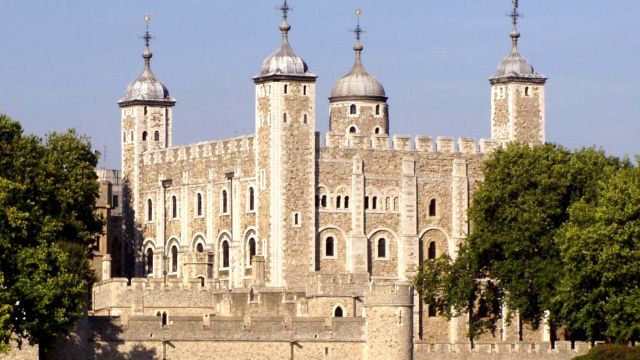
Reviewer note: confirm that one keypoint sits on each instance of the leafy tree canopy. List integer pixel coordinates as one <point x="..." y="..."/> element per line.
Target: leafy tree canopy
<point x="48" y="190"/>
<point x="512" y="256"/>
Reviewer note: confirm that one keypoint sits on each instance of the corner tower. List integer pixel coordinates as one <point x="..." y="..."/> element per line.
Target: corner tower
<point x="517" y="96"/>
<point x="146" y="119"/>
<point x="285" y="158"/>
<point x="358" y="103"/>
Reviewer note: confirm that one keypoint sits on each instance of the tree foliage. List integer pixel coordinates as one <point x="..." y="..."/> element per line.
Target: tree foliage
<point x="48" y="190"/>
<point x="512" y="256"/>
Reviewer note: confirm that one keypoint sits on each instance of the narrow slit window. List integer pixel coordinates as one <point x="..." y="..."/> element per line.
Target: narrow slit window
<point x="174" y="207"/>
<point x="225" y="254"/>
<point x="433" y="207"/>
<point x="199" y="204"/>
<point x="252" y="206"/>
<point x="284" y="117"/>
<point x="156" y="136"/>
<point x="338" y="201"/>
<point x="225" y="206"/>
<point x="377" y="110"/>
<point x="149" y="261"/>
<point x="144" y="136"/>
<point x="304" y="90"/>
<point x="366" y="203"/>
<point x="346" y="202"/>
<point x="323" y="201"/>
<point x="174" y="259"/>
<point x="286" y="89"/>
<point x="252" y="249"/>
<point x="353" y="109"/>
<point x="149" y="210"/>
<point x="374" y="204"/>
<point x="304" y="119"/>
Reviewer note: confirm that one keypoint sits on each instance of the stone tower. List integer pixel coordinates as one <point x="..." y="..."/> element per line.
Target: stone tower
<point x="285" y="157"/>
<point x="389" y="319"/>
<point x="358" y="103"/>
<point x="146" y="118"/>
<point x="517" y="96"/>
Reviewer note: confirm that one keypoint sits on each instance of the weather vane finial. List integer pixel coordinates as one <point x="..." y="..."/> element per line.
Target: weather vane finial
<point x="515" y="15"/>
<point x="147" y="36"/>
<point x="358" y="29"/>
<point x="285" y="8"/>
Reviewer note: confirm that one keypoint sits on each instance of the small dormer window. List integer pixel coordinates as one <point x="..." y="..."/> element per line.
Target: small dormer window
<point x="353" y="109"/>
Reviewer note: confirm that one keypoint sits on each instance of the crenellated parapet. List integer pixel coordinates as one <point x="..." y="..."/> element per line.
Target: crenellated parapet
<point x="234" y="146"/>
<point x="442" y="144"/>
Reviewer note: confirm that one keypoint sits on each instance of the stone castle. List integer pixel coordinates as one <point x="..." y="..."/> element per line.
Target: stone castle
<point x="288" y="244"/>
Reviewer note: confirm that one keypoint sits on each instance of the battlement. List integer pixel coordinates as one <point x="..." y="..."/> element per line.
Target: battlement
<point x="443" y="144"/>
<point x="503" y="350"/>
<point x="396" y="294"/>
<point x="233" y="146"/>
<point x="320" y="284"/>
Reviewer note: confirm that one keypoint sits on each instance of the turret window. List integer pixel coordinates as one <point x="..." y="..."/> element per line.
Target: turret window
<point x="346" y="202"/>
<point x="352" y="130"/>
<point x="433" y="208"/>
<point x="377" y="109"/>
<point x="284" y="117"/>
<point x="526" y="91"/>
<point x="156" y="136"/>
<point x="338" y="201"/>
<point x="304" y="119"/>
<point x="174" y="259"/>
<point x="145" y="111"/>
<point x="323" y="201"/>
<point x="225" y="254"/>
<point x="377" y="130"/>
<point x="304" y="90"/>
<point x="174" y="207"/>
<point x="353" y="109"/>
<point x="338" y="312"/>
<point x="149" y="210"/>
<point x="225" y="200"/>
<point x="382" y="248"/>
<point x="144" y="136"/>
<point x="199" y="204"/>
<point x="251" y="200"/>
<point x="286" y="89"/>
<point x="329" y="247"/>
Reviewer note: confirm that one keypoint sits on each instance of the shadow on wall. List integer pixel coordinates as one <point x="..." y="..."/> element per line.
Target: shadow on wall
<point x="99" y="338"/>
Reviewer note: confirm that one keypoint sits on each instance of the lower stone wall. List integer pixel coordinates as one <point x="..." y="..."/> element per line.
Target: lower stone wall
<point x="214" y="350"/>
<point x="501" y="351"/>
<point x="25" y="352"/>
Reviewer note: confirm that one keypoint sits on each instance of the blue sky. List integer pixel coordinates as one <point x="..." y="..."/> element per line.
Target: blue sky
<point x="66" y="63"/>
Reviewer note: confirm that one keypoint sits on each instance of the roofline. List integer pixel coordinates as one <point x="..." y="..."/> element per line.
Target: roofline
<point x="165" y="102"/>
<point x="518" y="79"/>
<point x="358" y="97"/>
<point x="310" y="77"/>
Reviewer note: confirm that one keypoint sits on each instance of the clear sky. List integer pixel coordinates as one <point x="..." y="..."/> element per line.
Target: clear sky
<point x="66" y="63"/>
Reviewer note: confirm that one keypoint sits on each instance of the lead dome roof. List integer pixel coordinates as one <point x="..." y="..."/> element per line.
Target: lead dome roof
<point x="358" y="83"/>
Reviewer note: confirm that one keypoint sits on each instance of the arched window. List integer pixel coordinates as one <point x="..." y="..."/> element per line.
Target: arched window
<point x="323" y="201"/>
<point x="352" y="109"/>
<point x="526" y="91"/>
<point x="346" y="202"/>
<point x="144" y="136"/>
<point x="374" y="203"/>
<point x="338" y="201"/>
<point x="174" y="258"/>
<point x="201" y="281"/>
<point x="225" y="206"/>
<point x="304" y="118"/>
<point x="329" y="247"/>
<point x="225" y="254"/>
<point x="338" y="312"/>
<point x="286" y="88"/>
<point x="377" y="111"/>
<point x="433" y="207"/>
<point x="149" y="210"/>
<point x="377" y="130"/>
<point x="156" y="136"/>
<point x="304" y="90"/>
<point x="352" y="130"/>
<point x="284" y="117"/>
<point x="431" y="255"/>
<point x="251" y="200"/>
<point x="174" y="207"/>
<point x="199" y="204"/>
<point x="199" y="248"/>
<point x="251" y="250"/>
<point x="149" y="261"/>
<point x="382" y="248"/>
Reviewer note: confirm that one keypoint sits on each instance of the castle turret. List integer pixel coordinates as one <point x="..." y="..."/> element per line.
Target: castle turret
<point x="146" y="118"/>
<point x="517" y="96"/>
<point x="389" y="319"/>
<point x="285" y="157"/>
<point x="358" y="101"/>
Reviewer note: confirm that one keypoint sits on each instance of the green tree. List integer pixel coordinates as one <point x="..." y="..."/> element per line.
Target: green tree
<point x="48" y="190"/>
<point x="599" y="294"/>
<point x="511" y="256"/>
